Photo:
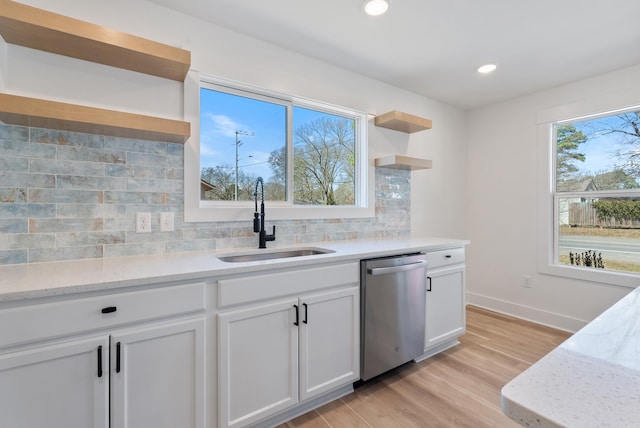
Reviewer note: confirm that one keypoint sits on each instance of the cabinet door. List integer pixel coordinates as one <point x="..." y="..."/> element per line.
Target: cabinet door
<point x="329" y="341"/>
<point x="445" y="317"/>
<point x="257" y="362"/>
<point x="157" y="376"/>
<point x="56" y="385"/>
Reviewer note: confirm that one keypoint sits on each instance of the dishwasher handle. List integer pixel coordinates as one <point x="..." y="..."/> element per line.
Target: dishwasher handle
<point x="394" y="269"/>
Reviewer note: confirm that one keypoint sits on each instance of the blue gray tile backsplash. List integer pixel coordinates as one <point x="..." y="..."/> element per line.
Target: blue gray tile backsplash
<point x="67" y="195"/>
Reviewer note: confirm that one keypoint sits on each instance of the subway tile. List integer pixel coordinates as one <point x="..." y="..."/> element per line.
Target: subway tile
<point x="25" y="211"/>
<point x="135" y="145"/>
<point x="147" y="185"/>
<point x="91" y="183"/>
<point x="13" y="132"/>
<point x="61" y="167"/>
<point x="91" y="155"/>
<point x="24" y="179"/>
<point x="65" y="253"/>
<point x="137" y="249"/>
<point x="80" y="210"/>
<point x="11" y="257"/>
<point x="14" y="225"/>
<point x="66" y="196"/>
<point x="18" y="194"/>
<point x="14" y="164"/>
<point x="17" y="241"/>
<point x="66" y="138"/>
<point x="65" y="225"/>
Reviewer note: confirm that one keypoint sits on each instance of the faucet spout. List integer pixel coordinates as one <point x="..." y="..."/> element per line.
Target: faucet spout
<point x="258" y="217"/>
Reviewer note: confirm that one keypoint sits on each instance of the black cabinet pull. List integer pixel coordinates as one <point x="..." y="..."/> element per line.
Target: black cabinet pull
<point x="429" y="287"/>
<point x="109" y="309"/>
<point x="297" y="319"/>
<point x="306" y="313"/>
<point x="448" y="256"/>
<point x="118" y="357"/>
<point x="100" y="361"/>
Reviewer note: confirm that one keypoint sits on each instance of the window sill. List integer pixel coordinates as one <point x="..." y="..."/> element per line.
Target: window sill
<point x="601" y="276"/>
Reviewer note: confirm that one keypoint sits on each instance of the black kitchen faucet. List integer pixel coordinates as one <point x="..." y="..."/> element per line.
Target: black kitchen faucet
<point x="258" y="218"/>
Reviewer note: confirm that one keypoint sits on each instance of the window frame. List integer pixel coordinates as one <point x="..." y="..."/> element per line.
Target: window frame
<point x="548" y="207"/>
<point x="196" y="210"/>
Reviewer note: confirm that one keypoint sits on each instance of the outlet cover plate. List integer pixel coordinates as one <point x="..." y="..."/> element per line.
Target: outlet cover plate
<point x="166" y="222"/>
<point x="143" y="222"/>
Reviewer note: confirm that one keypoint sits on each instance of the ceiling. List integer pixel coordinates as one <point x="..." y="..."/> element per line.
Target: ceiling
<point x="433" y="47"/>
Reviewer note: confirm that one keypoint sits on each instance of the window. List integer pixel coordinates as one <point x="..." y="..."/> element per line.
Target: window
<point x="311" y="156"/>
<point x="595" y="194"/>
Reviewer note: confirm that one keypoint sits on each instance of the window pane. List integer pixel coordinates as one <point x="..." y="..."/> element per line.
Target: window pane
<point x="241" y="139"/>
<point x="323" y="158"/>
<point x="598" y="154"/>
<point x="600" y="233"/>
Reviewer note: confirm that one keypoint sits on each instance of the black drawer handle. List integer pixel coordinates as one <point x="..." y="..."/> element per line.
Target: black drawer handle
<point x="448" y="256"/>
<point x="109" y="309"/>
<point x="429" y="288"/>
<point x="306" y="313"/>
<point x="118" y="357"/>
<point x="100" y="361"/>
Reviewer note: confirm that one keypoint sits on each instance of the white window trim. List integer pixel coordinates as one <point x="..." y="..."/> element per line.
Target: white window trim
<point x="196" y="210"/>
<point x="547" y="228"/>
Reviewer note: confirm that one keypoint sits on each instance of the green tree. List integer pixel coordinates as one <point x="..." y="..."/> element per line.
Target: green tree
<point x="568" y="141"/>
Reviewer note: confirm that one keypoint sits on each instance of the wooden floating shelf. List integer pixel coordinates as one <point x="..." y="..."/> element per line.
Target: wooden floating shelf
<point x="403" y="122"/>
<point x="24" y="111"/>
<point x="403" y="162"/>
<point x="46" y="31"/>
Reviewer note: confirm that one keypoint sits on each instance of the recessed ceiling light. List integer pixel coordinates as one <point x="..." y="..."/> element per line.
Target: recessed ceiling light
<point x="376" y="7"/>
<point x="487" y="68"/>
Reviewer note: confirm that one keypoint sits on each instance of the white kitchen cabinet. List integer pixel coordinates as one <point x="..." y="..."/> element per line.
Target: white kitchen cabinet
<point x="76" y="363"/>
<point x="275" y="355"/>
<point x="157" y="376"/>
<point x="329" y="341"/>
<point x="258" y="362"/>
<point x="57" y="384"/>
<point x="445" y="305"/>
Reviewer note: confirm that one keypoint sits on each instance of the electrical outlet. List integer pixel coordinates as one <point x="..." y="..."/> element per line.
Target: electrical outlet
<point x="143" y="222"/>
<point x="166" y="222"/>
<point x="526" y="281"/>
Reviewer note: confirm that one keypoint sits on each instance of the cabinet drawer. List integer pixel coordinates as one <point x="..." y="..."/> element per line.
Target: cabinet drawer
<point x="445" y="257"/>
<point x="234" y="291"/>
<point x="50" y="320"/>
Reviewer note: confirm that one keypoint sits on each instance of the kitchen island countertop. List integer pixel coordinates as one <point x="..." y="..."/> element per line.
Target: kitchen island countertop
<point x="36" y="280"/>
<point x="590" y="380"/>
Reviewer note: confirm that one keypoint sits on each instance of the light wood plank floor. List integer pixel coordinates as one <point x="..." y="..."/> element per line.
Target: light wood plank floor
<point x="457" y="388"/>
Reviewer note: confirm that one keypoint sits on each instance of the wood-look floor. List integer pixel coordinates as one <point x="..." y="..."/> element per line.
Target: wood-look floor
<point x="457" y="388"/>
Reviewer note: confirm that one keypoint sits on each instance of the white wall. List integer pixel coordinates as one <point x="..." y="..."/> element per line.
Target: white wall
<point x="502" y="189"/>
<point x="438" y="204"/>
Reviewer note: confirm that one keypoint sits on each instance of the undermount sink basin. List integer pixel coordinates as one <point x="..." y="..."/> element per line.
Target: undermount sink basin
<point x="275" y="254"/>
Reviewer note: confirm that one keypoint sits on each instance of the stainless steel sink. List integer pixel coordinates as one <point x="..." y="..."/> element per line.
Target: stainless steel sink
<point x="270" y="255"/>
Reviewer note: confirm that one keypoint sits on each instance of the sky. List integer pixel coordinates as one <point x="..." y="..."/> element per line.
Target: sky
<point x="599" y="150"/>
<point x="257" y="123"/>
<point x="260" y="125"/>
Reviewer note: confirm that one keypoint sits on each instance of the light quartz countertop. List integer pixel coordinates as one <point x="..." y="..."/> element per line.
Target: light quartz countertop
<point x="37" y="280"/>
<point x="591" y="380"/>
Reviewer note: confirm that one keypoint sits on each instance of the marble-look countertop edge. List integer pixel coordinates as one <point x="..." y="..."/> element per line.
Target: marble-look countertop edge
<point x="591" y="380"/>
<point x="40" y="280"/>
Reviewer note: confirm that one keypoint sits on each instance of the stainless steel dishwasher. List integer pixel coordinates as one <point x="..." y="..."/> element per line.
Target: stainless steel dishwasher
<point x="393" y="294"/>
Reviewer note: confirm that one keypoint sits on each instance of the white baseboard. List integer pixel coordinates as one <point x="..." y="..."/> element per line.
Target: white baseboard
<point x="528" y="313"/>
